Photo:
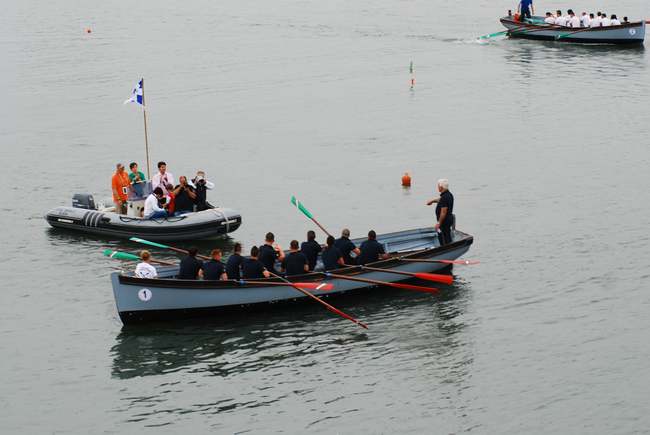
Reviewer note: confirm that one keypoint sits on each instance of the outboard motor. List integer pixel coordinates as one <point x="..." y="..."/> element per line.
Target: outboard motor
<point x="83" y="200"/>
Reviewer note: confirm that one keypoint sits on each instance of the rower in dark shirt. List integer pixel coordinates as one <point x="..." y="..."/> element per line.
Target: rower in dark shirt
<point x="346" y="246"/>
<point x="332" y="257"/>
<point x="371" y="250"/>
<point x="214" y="269"/>
<point x="190" y="267"/>
<point x="252" y="268"/>
<point x="270" y="252"/>
<point x="311" y="248"/>
<point x="233" y="265"/>
<point x="296" y="262"/>
<point x="444" y="212"/>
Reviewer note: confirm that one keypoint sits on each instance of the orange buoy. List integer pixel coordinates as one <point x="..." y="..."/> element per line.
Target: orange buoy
<point x="406" y="180"/>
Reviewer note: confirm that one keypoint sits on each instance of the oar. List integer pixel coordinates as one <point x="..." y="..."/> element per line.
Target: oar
<point x="459" y="262"/>
<point x="317" y="299"/>
<point x="305" y="292"/>
<point x="564" y="35"/>
<point x="384" y="283"/>
<point x="131" y="257"/>
<point x="492" y="35"/>
<point x="160" y="245"/>
<point x="310" y="285"/>
<point x="307" y="213"/>
<point x="508" y="31"/>
<point x="444" y="279"/>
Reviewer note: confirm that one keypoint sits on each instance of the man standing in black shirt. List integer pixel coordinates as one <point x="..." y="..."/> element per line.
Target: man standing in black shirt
<point x="233" y="266"/>
<point x="444" y="212"/>
<point x="214" y="268"/>
<point x="371" y="250"/>
<point x="252" y="268"/>
<point x="332" y="257"/>
<point x="191" y="267"/>
<point x="184" y="196"/>
<point x="311" y="248"/>
<point x="270" y="252"/>
<point x="296" y="262"/>
<point x="346" y="246"/>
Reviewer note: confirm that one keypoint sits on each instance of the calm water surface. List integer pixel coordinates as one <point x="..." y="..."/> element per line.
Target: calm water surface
<point x="545" y="146"/>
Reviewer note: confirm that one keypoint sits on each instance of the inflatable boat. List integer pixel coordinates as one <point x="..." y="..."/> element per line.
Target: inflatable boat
<point x="84" y="216"/>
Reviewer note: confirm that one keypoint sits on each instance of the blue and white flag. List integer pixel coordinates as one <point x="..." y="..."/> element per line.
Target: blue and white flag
<point x="136" y="95"/>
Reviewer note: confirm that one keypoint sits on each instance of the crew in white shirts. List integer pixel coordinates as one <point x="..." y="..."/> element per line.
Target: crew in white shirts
<point x="605" y="22"/>
<point x="596" y="22"/>
<point x="585" y="20"/>
<point x="145" y="269"/>
<point x="550" y="19"/>
<point x="163" y="179"/>
<point x="573" y="20"/>
<point x="615" y="21"/>
<point x="559" y="19"/>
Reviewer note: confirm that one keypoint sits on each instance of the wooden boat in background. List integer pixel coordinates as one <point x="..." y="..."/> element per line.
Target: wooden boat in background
<point x="535" y="28"/>
<point x="140" y="300"/>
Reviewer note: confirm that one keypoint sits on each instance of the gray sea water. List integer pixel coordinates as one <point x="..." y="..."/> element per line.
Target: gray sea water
<point x="545" y="146"/>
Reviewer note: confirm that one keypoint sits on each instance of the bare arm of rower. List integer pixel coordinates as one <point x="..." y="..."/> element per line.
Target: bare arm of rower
<point x="433" y="201"/>
<point x="280" y="252"/>
<point x="340" y="261"/>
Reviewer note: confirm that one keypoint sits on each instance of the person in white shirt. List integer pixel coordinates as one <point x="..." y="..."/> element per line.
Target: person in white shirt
<point x="595" y="22"/>
<point x="151" y="208"/>
<point x="559" y="19"/>
<point x="550" y="19"/>
<point x="585" y="20"/>
<point x="163" y="179"/>
<point x="145" y="269"/>
<point x="605" y="22"/>
<point x="615" y="21"/>
<point x="573" y="20"/>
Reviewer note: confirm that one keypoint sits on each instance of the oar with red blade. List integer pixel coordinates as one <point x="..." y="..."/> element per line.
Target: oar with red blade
<point x="458" y="262"/>
<point x="435" y="277"/>
<point x="384" y="283"/>
<point x="325" y="304"/>
<point x="325" y="286"/>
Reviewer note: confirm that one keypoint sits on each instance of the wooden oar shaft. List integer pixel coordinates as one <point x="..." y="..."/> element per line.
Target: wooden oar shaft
<point x="320" y="226"/>
<point x="383" y="283"/>
<point x="446" y="279"/>
<point x="319" y="300"/>
<point x="564" y="35"/>
<point x="417" y="260"/>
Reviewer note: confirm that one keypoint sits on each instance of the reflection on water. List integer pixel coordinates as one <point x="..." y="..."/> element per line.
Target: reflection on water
<point x="282" y="337"/>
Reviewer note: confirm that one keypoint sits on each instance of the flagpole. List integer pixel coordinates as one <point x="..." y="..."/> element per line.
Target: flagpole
<point x="146" y="136"/>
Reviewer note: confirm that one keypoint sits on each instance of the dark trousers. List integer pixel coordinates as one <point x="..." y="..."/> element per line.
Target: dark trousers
<point x="525" y="13"/>
<point x="444" y="235"/>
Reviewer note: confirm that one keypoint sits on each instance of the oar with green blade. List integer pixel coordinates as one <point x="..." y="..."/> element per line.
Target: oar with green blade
<point x="307" y="213"/>
<point x="131" y="257"/>
<point x="160" y="245"/>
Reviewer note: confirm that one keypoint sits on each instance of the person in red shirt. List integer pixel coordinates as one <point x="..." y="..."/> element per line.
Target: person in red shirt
<point x="120" y="186"/>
